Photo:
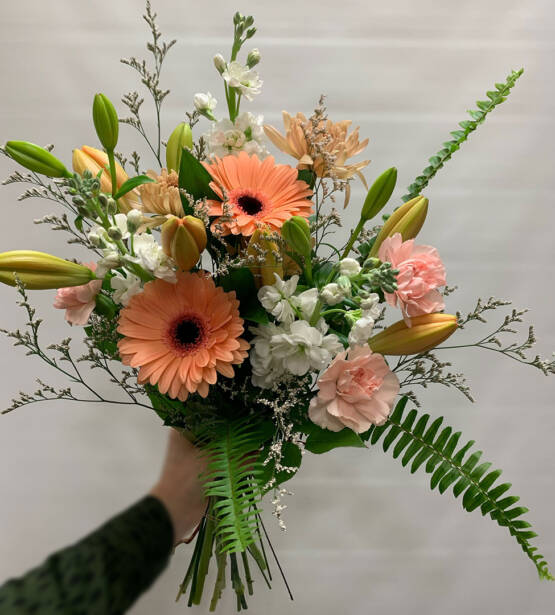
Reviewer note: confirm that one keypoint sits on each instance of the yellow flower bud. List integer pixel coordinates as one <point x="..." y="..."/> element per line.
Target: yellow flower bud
<point x="184" y="240"/>
<point x="181" y="137"/>
<point x="265" y="251"/>
<point x="407" y="220"/>
<point x="38" y="270"/>
<point x="94" y="160"/>
<point x="426" y="332"/>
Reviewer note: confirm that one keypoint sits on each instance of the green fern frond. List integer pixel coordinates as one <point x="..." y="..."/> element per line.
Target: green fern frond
<point x="496" y="97"/>
<point x="418" y="442"/>
<point x="231" y="482"/>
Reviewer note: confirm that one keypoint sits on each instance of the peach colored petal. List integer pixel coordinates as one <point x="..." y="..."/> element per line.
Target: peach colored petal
<point x="167" y="357"/>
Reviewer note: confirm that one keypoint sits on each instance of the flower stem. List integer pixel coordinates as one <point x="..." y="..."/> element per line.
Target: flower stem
<point x="112" y="162"/>
<point x="353" y="237"/>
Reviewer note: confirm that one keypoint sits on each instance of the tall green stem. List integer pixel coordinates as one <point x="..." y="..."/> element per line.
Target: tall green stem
<point x="353" y="237"/>
<point x="112" y="162"/>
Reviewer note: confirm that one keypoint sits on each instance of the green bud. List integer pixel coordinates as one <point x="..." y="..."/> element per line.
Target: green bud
<point x="253" y="58"/>
<point x="103" y="200"/>
<point x="36" y="159"/>
<point x="112" y="206"/>
<point x="181" y="137"/>
<point x="106" y="122"/>
<point x="379" y="194"/>
<point x="344" y="284"/>
<point x="296" y="233"/>
<point x="114" y="233"/>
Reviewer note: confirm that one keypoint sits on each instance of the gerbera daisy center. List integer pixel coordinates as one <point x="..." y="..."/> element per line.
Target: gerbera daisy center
<point x="187" y="333"/>
<point x="250" y="204"/>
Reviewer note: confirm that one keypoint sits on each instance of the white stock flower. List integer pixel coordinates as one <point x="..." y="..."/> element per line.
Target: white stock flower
<point x="371" y="306"/>
<point x="110" y="260"/>
<point x="150" y="256"/>
<point x="243" y="78"/>
<point x="361" y="331"/>
<point x="204" y="102"/>
<point x="266" y="368"/>
<point x="304" y="347"/>
<point x="305" y="302"/>
<point x="296" y="348"/>
<point x="276" y="298"/>
<point x="332" y="294"/>
<point x="125" y="288"/>
<point x="245" y="135"/>
<point x="349" y="267"/>
<point x="121" y="224"/>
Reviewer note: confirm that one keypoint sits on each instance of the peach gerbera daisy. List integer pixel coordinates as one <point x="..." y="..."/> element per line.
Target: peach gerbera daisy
<point x="182" y="335"/>
<point x="255" y="193"/>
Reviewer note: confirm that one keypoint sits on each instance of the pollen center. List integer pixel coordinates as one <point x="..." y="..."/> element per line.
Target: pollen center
<point x="187" y="334"/>
<point x="250" y="204"/>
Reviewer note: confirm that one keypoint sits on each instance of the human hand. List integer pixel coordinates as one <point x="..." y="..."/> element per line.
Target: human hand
<point x="179" y="487"/>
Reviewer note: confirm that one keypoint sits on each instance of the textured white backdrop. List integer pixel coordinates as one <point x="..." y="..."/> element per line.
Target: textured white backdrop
<point x="363" y="535"/>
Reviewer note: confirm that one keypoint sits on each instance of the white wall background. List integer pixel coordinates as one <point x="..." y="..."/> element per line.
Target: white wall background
<point x="364" y="536"/>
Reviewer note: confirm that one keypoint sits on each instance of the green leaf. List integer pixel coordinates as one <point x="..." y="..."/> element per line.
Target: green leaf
<point x="323" y="440"/>
<point x="132" y="183"/>
<point x="241" y="281"/>
<point x="459" y="469"/>
<point x="79" y="223"/>
<point x="485" y="107"/>
<point x="307" y="176"/>
<point x="232" y="482"/>
<point x="194" y="179"/>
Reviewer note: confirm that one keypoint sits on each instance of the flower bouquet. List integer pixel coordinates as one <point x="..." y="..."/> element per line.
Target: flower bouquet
<point x="216" y="296"/>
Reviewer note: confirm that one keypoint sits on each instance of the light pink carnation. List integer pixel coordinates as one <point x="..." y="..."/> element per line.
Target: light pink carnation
<point x="421" y="272"/>
<point x="355" y="391"/>
<point x="78" y="301"/>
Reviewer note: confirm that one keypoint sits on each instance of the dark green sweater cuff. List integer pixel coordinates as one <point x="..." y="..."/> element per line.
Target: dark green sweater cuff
<point x="102" y="574"/>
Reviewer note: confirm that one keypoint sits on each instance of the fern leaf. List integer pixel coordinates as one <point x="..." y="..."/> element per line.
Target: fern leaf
<point x="231" y="482"/>
<point x="495" y="97"/>
<point x="458" y="468"/>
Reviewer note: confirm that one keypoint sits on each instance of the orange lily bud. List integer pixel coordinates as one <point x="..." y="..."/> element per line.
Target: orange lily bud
<point x="262" y="247"/>
<point x="426" y="332"/>
<point x="407" y="220"/>
<point x="94" y="160"/>
<point x="184" y="240"/>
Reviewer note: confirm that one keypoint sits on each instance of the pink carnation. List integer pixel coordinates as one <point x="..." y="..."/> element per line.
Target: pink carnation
<point x="78" y="301"/>
<point x="355" y="392"/>
<point x="421" y="272"/>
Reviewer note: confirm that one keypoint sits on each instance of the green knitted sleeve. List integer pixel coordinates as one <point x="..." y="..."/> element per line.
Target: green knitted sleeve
<point x="102" y="574"/>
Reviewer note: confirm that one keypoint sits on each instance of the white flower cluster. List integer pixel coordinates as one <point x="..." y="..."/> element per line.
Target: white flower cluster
<point x="292" y="346"/>
<point x="147" y="252"/>
<point x="364" y="324"/>
<point x="243" y="78"/>
<point x="246" y="134"/>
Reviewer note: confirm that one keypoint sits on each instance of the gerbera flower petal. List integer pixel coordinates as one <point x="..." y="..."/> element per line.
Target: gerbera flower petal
<point x="180" y="334"/>
<point x="256" y="191"/>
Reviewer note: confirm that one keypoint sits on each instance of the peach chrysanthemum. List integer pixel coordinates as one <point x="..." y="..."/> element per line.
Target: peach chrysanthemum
<point x="323" y="147"/>
<point x="182" y="335"/>
<point x="162" y="196"/>
<point x="256" y="193"/>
